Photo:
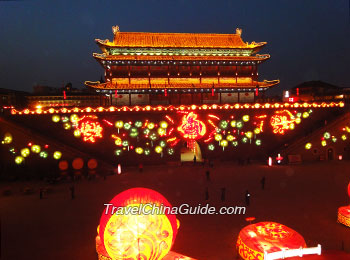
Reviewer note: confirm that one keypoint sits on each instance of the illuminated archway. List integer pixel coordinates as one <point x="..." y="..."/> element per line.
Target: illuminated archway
<point x="188" y="154"/>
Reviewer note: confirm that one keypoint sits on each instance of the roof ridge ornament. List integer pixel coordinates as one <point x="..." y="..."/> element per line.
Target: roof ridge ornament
<point x="115" y="29"/>
<point x="239" y="31"/>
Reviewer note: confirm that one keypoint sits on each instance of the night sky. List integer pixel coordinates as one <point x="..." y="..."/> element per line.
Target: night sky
<point x="51" y="42"/>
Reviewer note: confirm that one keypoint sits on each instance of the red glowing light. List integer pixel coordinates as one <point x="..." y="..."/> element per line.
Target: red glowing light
<point x="169" y="119"/>
<point x="107" y="122"/>
<point x="90" y="130"/>
<point x="256" y="92"/>
<point x="250" y="219"/>
<point x="213" y="116"/>
<point x="279" y="158"/>
<point x="281" y="121"/>
<point x="165" y="92"/>
<point x="64" y="94"/>
<point x="116" y="93"/>
<point x="191" y="127"/>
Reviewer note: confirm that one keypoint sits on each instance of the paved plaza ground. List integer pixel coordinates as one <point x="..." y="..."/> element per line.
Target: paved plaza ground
<point x="303" y="197"/>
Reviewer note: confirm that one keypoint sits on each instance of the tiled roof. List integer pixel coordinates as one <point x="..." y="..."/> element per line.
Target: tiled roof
<point x="178" y="40"/>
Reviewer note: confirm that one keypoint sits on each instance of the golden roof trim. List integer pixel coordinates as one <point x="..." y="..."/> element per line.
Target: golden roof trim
<point x="109" y="85"/>
<point x="259" y="57"/>
<point x="178" y="40"/>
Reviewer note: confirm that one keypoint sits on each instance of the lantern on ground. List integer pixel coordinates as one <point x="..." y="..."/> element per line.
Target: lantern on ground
<point x="136" y="236"/>
<point x="344" y="212"/>
<point x="256" y="239"/>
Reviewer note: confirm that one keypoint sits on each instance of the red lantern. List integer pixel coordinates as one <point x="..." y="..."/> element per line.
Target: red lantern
<point x="63" y="165"/>
<point x="191" y="127"/>
<point x="78" y="164"/>
<point x="255" y="239"/>
<point x="90" y="129"/>
<point x="136" y="236"/>
<point x="92" y="164"/>
<point x="282" y="121"/>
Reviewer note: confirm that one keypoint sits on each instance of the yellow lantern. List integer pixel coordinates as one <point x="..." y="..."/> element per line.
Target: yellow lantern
<point x="230" y="138"/>
<point x="224" y="143"/>
<point x="25" y="152"/>
<point x="161" y="131"/>
<point x="119" y="124"/>
<point x="19" y="159"/>
<point x="118" y="141"/>
<point x="138" y="150"/>
<point x="57" y="155"/>
<point x="249" y="134"/>
<point x="218" y="137"/>
<point x="308" y="146"/>
<point x="77" y="133"/>
<point x="158" y="149"/>
<point x="36" y="148"/>
<point x="150" y="126"/>
<point x="163" y="124"/>
<point x="7" y="138"/>
<point x="56" y="118"/>
<point x="74" y="118"/>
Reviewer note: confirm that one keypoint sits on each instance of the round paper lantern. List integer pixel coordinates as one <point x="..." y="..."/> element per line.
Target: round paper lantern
<point x="74" y="118"/>
<point x="119" y="124"/>
<point x="25" y="152"/>
<point x="19" y="159"/>
<point x="92" y="164"/>
<point x="63" y="165"/>
<point x="43" y="154"/>
<point x="56" y="118"/>
<point x="344" y="213"/>
<point x="135" y="236"/>
<point x="57" y="155"/>
<point x="163" y="124"/>
<point x="254" y="239"/>
<point x="36" y="148"/>
<point x="7" y="138"/>
<point x="78" y="163"/>
<point x="139" y="150"/>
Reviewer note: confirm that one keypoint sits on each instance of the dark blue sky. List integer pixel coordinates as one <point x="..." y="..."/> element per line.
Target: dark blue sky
<point x="51" y="42"/>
